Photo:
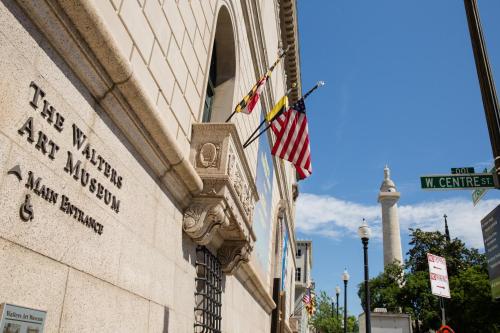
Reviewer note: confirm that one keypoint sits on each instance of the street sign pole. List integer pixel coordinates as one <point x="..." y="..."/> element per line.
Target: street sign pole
<point x="443" y="314"/>
<point x="488" y="91"/>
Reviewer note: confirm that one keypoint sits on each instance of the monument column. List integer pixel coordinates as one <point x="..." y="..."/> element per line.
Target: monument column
<point x="388" y="199"/>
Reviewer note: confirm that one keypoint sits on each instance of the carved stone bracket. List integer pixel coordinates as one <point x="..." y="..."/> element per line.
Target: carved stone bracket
<point x="232" y="254"/>
<point x="221" y="214"/>
<point x="202" y="220"/>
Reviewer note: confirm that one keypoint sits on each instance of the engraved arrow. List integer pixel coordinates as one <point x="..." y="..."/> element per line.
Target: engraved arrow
<point x="16" y="171"/>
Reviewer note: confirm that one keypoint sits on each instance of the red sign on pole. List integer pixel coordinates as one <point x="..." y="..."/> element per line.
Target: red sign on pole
<point x="438" y="275"/>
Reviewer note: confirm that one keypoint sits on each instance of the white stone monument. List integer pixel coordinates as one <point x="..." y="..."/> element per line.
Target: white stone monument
<point x="388" y="198"/>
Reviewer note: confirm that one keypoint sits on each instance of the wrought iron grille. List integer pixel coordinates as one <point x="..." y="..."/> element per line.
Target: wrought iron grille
<point x="208" y="292"/>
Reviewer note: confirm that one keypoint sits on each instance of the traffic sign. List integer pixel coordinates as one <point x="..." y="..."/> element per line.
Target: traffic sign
<point x="438" y="275"/>
<point x="457" y="182"/>
<point x="479" y="193"/>
<point x="460" y="171"/>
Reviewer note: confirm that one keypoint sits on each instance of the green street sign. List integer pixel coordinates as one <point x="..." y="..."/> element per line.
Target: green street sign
<point x="461" y="171"/>
<point x="457" y="182"/>
<point x="477" y="194"/>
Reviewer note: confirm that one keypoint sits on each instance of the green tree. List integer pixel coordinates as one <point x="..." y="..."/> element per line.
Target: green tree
<point x="325" y="320"/>
<point x="470" y="308"/>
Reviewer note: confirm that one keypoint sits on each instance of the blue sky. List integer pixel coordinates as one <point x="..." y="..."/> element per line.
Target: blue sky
<point x="401" y="90"/>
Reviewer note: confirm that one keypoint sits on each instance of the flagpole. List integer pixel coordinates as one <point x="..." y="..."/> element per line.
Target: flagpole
<point x="319" y="84"/>
<point x="270" y="69"/>
<point x="264" y="120"/>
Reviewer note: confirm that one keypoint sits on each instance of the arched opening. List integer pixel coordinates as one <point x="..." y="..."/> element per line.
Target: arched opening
<point x="220" y="87"/>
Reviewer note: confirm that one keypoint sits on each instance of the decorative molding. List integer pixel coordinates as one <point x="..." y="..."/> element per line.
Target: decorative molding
<point x="202" y="219"/>
<point x="208" y="155"/>
<point x="221" y="215"/>
<point x="290" y="37"/>
<point x="232" y="254"/>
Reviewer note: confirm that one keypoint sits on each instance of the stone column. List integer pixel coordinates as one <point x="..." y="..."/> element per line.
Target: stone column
<point x="388" y="198"/>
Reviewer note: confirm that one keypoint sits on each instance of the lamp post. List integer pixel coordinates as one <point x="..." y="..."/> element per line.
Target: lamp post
<point x="364" y="233"/>
<point x="337" y="292"/>
<point x="345" y="278"/>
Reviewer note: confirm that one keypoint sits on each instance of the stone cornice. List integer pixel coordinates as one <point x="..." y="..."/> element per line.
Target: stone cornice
<point x="290" y="37"/>
<point x="389" y="197"/>
<point x="106" y="71"/>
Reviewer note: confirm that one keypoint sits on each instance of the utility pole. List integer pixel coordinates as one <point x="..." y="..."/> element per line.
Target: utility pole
<point x="488" y="91"/>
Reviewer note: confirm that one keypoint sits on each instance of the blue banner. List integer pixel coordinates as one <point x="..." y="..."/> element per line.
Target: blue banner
<point x="283" y="261"/>
<point x="263" y="214"/>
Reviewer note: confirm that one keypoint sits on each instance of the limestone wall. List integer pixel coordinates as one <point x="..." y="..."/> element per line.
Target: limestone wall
<point x="104" y="250"/>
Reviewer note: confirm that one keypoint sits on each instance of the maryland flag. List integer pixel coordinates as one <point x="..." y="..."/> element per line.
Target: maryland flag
<point x="248" y="102"/>
<point x="278" y="109"/>
<point x="309" y="300"/>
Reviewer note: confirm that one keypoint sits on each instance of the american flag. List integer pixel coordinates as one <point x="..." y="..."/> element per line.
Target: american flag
<point x="292" y="138"/>
<point x="307" y="296"/>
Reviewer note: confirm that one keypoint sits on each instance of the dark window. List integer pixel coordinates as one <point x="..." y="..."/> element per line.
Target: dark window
<point x="208" y="292"/>
<point x="299" y="252"/>
<point x="209" y="97"/>
<point x="297" y="274"/>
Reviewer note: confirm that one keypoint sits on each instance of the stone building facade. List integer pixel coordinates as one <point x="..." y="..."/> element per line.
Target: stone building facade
<point x="303" y="280"/>
<point x="128" y="205"/>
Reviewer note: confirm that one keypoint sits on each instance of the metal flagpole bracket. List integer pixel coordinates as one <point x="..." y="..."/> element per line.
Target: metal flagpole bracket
<point x="251" y="140"/>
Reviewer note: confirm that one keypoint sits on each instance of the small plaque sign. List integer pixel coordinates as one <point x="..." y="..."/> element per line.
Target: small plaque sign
<point x="18" y="319"/>
<point x="461" y="171"/>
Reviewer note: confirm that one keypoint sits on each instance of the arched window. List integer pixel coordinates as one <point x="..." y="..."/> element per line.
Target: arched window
<point x="220" y="87"/>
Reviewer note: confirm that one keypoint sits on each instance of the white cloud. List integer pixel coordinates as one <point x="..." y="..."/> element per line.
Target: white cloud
<point x="331" y="217"/>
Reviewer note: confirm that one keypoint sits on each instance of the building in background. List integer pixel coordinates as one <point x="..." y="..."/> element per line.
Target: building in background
<point x="128" y="205"/>
<point x="303" y="281"/>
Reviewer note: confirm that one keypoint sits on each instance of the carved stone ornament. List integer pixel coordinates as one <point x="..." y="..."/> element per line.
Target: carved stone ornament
<point x="201" y="221"/>
<point x="221" y="214"/>
<point x="208" y="155"/>
<point x="232" y="254"/>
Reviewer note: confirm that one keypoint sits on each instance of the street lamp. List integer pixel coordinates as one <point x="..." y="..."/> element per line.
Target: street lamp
<point x="364" y="233"/>
<point x="337" y="292"/>
<point x="345" y="278"/>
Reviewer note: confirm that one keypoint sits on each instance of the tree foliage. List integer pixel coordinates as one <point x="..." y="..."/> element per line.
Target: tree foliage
<point x="325" y="318"/>
<point x="470" y="309"/>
